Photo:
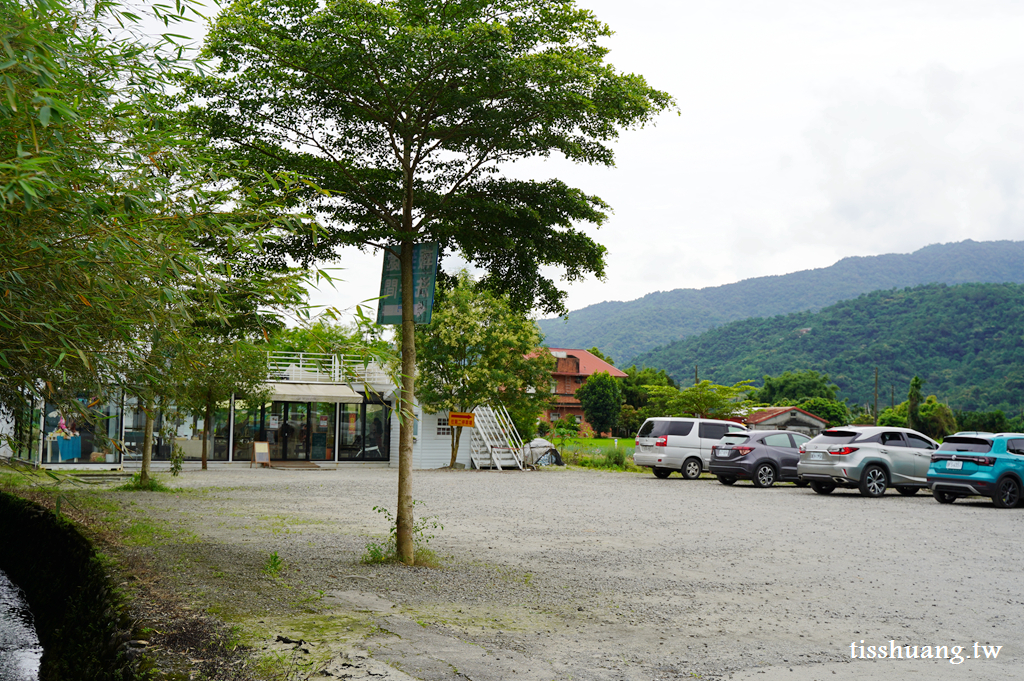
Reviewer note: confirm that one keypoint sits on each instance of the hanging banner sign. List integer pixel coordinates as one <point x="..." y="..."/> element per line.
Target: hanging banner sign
<point x="424" y="278"/>
<point x="463" y="419"/>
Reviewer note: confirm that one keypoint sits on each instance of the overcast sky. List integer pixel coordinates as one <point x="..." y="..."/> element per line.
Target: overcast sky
<point x="808" y="131"/>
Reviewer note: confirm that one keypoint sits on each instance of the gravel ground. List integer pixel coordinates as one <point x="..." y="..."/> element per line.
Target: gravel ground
<point x="591" y="575"/>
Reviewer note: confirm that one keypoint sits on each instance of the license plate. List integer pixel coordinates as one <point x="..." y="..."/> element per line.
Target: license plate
<point x="954" y="465"/>
<point x="817" y="456"/>
<point x="722" y="453"/>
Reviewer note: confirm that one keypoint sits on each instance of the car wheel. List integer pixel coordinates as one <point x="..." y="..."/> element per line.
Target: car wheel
<point x="691" y="469"/>
<point x="907" y="491"/>
<point x="873" y="481"/>
<point x="801" y="483"/>
<point x="764" y="476"/>
<point x="823" y="487"/>
<point x="943" y="497"/>
<point x="1007" y="493"/>
<point x="727" y="479"/>
<point x="662" y="473"/>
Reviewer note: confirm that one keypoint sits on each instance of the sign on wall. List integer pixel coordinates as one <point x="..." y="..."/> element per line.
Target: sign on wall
<point x="424" y="277"/>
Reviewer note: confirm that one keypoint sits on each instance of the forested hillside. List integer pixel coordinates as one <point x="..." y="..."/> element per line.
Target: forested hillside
<point x="624" y="330"/>
<point x="966" y="342"/>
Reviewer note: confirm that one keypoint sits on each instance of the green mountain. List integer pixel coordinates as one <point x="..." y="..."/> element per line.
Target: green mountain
<point x="966" y="342"/>
<point x="624" y="330"/>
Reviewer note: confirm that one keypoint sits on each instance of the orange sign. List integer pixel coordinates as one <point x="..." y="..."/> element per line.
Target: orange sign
<point x="459" y="418"/>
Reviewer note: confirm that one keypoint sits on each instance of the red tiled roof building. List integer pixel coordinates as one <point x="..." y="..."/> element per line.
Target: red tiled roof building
<point x="572" y="368"/>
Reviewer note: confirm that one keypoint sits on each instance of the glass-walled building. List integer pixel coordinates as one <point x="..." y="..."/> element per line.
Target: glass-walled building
<point x="320" y="409"/>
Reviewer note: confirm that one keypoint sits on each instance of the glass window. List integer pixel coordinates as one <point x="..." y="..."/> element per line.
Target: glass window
<point x="1015" y="446"/>
<point x="799" y="440"/>
<point x="918" y="442"/>
<point x="321" y="445"/>
<point x="249" y="427"/>
<point x="351" y="431"/>
<point x="777" y="440"/>
<point x="660" y="427"/>
<point x="734" y="439"/>
<point x="377" y="435"/>
<point x="713" y="431"/>
<point x="965" y="444"/>
<point x="835" y="437"/>
<point x="443" y="429"/>
<point x="894" y="439"/>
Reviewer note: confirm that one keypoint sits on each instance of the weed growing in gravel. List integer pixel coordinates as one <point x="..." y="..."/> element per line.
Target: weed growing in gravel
<point x="274" y="565"/>
<point x="378" y="552"/>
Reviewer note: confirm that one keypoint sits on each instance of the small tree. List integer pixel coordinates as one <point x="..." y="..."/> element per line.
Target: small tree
<point x="476" y="351"/>
<point x="833" y="411"/>
<point x="914" y="397"/>
<point x="704" y="400"/>
<point x="601" y="399"/>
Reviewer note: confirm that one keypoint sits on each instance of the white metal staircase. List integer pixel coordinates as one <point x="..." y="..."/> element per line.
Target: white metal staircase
<point x="495" y="442"/>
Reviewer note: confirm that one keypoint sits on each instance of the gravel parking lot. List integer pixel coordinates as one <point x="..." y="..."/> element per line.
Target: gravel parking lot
<point x="573" y="574"/>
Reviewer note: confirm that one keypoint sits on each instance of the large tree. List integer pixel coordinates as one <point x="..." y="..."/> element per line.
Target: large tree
<point x="703" y="400"/>
<point x="477" y="351"/>
<point x="405" y="113"/>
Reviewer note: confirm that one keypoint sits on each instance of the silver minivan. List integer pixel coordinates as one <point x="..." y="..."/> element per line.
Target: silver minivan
<point x="671" y="443"/>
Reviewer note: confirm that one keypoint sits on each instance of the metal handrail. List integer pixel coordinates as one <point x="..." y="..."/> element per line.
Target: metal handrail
<point x="317" y="367"/>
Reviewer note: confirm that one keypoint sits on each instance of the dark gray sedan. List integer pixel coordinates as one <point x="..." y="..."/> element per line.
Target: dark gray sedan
<point x="763" y="456"/>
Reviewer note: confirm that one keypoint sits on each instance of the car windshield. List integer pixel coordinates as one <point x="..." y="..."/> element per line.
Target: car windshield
<point x="966" y="444"/>
<point x="834" y="437"/>
<point x="733" y="439"/>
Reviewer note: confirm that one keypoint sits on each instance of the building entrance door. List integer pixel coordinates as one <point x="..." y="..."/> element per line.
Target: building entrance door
<point x="288" y="431"/>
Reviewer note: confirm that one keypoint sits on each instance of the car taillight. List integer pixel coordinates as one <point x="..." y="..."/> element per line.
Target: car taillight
<point x="742" y="451"/>
<point x="661" y="441"/>
<point x="802" y="449"/>
<point x="638" y="442"/>
<point x="984" y="460"/>
<point x="841" y="451"/>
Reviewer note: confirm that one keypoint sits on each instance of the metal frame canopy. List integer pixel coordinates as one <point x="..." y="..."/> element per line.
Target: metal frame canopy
<point x="314" y="392"/>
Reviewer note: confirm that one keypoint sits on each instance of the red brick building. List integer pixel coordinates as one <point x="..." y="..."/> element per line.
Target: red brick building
<point x="572" y="368"/>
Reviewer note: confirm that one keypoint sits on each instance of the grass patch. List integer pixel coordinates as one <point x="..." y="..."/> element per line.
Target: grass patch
<point x="153" y="484"/>
<point x="606" y="458"/>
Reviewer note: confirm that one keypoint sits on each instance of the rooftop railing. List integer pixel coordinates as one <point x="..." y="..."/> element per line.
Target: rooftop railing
<point x="312" y="367"/>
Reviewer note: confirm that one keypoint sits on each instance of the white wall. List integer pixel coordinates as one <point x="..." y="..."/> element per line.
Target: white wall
<point x="6" y="430"/>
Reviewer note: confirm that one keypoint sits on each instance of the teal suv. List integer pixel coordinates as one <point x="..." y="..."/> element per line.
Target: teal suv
<point x="979" y="464"/>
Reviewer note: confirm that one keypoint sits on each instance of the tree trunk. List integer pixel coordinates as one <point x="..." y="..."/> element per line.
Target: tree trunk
<point x="456" y="434"/>
<point x="207" y="428"/>
<point x="404" y="516"/>
<point x="147" y="441"/>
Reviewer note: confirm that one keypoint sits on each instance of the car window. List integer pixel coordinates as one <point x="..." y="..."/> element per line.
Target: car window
<point x="835" y="437"/>
<point x="895" y="439"/>
<point x="713" y="431"/>
<point x="1015" y="446"/>
<point x="918" y="442"/>
<point x="680" y="427"/>
<point x="734" y="439"/>
<point x="955" y="443"/>
<point x="653" y="428"/>
<point x="736" y="429"/>
<point x="777" y="440"/>
<point x="799" y="439"/>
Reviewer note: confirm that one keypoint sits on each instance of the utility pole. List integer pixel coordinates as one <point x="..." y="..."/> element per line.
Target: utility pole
<point x="892" y="397"/>
<point x="876" y="396"/>
<point x="695" y="379"/>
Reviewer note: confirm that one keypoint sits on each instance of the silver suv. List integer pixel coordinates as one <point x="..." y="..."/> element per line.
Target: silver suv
<point x="671" y="443"/>
<point x="869" y="458"/>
